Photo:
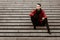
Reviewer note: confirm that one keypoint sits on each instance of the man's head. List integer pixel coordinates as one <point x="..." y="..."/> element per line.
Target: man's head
<point x="38" y="6"/>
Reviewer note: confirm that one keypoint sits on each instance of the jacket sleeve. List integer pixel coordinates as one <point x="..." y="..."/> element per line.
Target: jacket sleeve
<point x="32" y="13"/>
<point x="44" y="15"/>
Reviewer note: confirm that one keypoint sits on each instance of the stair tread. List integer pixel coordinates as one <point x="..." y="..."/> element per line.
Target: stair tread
<point x="25" y="18"/>
<point x="28" y="31"/>
<point x="26" y="24"/>
<point x="29" y="34"/>
<point x="25" y="15"/>
<point x="24" y="21"/>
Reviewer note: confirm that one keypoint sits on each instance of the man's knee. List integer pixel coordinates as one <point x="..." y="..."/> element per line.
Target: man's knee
<point x="44" y="21"/>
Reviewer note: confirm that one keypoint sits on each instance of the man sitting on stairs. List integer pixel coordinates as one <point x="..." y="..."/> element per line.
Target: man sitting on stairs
<point x="39" y="18"/>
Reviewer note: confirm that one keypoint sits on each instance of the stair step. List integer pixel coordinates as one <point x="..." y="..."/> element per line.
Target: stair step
<point x="48" y="13"/>
<point x="26" y="24"/>
<point x="26" y="18"/>
<point x="25" y="27"/>
<point x="28" y="28"/>
<point x="30" y="38"/>
<point x="28" y="31"/>
<point x="23" y="10"/>
<point x="28" y="8"/>
<point x="28" y="34"/>
<point x="26" y="15"/>
<point x="24" y="21"/>
<point x="31" y="26"/>
<point x="26" y="11"/>
<point x="15" y="3"/>
<point x="28" y="5"/>
<point x="34" y="2"/>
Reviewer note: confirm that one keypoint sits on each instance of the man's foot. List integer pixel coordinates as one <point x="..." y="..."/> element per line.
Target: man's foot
<point x="49" y="32"/>
<point x="34" y="27"/>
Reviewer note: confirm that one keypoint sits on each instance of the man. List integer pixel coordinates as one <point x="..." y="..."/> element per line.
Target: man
<point x="38" y="17"/>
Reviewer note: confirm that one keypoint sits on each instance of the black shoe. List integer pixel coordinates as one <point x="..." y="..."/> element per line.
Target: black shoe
<point x="49" y="32"/>
<point x="34" y="27"/>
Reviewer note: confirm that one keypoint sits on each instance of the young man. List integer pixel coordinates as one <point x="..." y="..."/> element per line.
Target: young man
<point x="38" y="17"/>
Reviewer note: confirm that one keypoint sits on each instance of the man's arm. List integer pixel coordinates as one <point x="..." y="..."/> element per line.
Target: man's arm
<point x="43" y="15"/>
<point x="32" y="13"/>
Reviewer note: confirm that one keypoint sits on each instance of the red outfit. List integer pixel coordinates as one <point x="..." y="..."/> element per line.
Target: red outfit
<point x="41" y="15"/>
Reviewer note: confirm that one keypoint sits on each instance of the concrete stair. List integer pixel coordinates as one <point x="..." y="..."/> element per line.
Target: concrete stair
<point x="15" y="20"/>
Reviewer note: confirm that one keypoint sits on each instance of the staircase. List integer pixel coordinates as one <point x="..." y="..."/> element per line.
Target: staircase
<point x="15" y="23"/>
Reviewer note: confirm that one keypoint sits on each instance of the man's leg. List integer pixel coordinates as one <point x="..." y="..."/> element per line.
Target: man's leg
<point x="33" y="21"/>
<point x="45" y="22"/>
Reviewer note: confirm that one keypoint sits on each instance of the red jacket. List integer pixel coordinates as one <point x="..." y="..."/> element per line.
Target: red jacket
<point x="41" y="15"/>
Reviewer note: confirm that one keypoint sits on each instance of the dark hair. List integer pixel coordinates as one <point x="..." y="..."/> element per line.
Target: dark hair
<point x="38" y="4"/>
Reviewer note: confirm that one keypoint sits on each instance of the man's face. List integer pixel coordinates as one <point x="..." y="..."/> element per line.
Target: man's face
<point x="38" y="7"/>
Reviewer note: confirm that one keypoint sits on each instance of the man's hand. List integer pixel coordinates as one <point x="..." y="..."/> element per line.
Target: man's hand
<point x="43" y="19"/>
